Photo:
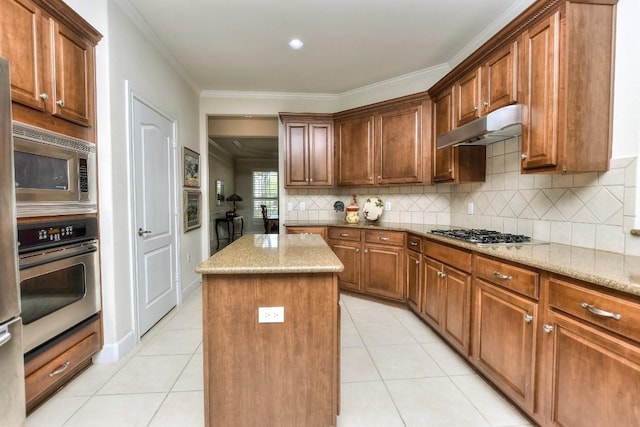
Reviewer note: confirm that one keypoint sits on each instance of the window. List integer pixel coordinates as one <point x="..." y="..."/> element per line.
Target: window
<point x="265" y="192"/>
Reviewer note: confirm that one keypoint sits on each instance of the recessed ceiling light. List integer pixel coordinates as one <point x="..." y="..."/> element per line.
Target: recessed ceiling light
<point x="295" y="44"/>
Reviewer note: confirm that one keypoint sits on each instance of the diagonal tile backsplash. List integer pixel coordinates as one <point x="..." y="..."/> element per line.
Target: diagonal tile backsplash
<point x="593" y="210"/>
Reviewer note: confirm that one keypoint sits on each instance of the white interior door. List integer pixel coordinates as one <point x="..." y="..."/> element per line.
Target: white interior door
<point x="154" y="174"/>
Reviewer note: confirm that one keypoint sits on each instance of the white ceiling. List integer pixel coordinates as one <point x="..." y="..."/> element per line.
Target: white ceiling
<point x="348" y="44"/>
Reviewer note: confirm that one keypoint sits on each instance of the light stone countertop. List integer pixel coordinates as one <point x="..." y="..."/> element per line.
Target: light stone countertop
<point x="611" y="270"/>
<point x="273" y="253"/>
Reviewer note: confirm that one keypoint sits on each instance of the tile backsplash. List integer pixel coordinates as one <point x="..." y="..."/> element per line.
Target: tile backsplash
<point x="592" y="210"/>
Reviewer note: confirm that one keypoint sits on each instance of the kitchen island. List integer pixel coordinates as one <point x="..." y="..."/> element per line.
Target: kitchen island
<point x="271" y="332"/>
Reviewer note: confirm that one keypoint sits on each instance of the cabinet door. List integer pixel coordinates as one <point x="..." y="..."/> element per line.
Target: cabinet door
<point x="354" y="140"/>
<point x="383" y="274"/>
<point x="21" y="42"/>
<point x="432" y="297"/>
<point x="296" y="154"/>
<point x="504" y="341"/>
<point x="74" y="90"/>
<point x="321" y="154"/>
<point x="349" y="254"/>
<point x="467" y="98"/>
<point x="442" y="123"/>
<point x="594" y="377"/>
<point x="398" y="150"/>
<point x="455" y="320"/>
<point x="541" y="68"/>
<point x="414" y="280"/>
<point x="499" y="81"/>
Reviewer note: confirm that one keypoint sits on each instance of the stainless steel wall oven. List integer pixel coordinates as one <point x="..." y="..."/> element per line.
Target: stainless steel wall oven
<point x="59" y="277"/>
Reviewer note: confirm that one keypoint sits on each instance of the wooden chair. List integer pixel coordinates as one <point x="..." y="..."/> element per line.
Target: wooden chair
<point x="271" y="226"/>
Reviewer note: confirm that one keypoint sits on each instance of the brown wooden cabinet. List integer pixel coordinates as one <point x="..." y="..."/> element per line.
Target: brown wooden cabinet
<point x="592" y="374"/>
<point x="454" y="164"/>
<point x="51" y="51"/>
<point x="346" y="243"/>
<point x="567" y="77"/>
<point x="446" y="300"/>
<point x="386" y="143"/>
<point x="383" y="264"/>
<point x="49" y="369"/>
<point x="308" y="150"/>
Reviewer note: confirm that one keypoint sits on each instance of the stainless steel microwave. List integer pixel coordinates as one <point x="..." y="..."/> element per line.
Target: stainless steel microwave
<point x="54" y="173"/>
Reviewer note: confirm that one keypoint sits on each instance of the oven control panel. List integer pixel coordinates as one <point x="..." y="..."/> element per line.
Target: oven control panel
<point x="39" y="235"/>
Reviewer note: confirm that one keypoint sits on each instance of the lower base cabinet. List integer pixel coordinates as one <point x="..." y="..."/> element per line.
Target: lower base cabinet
<point x="49" y="369"/>
<point x="504" y="338"/>
<point x="383" y="271"/>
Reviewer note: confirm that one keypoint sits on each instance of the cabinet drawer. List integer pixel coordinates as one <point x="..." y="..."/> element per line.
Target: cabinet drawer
<point x="345" y="234"/>
<point x="612" y="313"/>
<point x="414" y="243"/>
<point x="386" y="237"/>
<point x="521" y="280"/>
<point x="57" y="365"/>
<point x="322" y="231"/>
<point x="454" y="257"/>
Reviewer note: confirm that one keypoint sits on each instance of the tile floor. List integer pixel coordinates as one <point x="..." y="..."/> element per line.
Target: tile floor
<point x="395" y="372"/>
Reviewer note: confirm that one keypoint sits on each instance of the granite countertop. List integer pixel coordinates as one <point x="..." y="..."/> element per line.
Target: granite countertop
<point x="273" y="253"/>
<point x="611" y="270"/>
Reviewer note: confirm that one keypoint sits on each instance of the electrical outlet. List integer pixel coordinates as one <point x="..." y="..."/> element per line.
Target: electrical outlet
<point x="270" y="314"/>
<point x="302" y="206"/>
<point x="470" y="208"/>
<point x="289" y="206"/>
<point x="387" y="206"/>
<point x="188" y="256"/>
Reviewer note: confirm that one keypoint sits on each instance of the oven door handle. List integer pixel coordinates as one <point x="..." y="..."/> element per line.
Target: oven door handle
<point x="34" y="260"/>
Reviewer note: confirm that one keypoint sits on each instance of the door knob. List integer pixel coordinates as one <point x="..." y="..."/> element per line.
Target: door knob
<point x="142" y="232"/>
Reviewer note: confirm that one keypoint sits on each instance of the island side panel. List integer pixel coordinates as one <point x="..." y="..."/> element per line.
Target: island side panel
<point x="271" y="373"/>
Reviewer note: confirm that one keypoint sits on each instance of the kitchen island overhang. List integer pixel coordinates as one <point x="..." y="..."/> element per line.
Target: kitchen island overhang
<point x="280" y="369"/>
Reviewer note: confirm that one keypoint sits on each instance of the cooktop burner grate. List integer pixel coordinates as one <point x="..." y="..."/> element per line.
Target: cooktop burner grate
<point x="481" y="236"/>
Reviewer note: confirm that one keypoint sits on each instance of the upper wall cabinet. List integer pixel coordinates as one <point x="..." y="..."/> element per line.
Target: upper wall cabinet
<point x="51" y="52"/>
<point x="567" y="76"/>
<point x="384" y="144"/>
<point x="454" y="164"/>
<point x="556" y="59"/>
<point x="308" y="150"/>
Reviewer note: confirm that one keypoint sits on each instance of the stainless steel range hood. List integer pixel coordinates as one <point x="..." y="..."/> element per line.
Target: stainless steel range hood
<point x="498" y="125"/>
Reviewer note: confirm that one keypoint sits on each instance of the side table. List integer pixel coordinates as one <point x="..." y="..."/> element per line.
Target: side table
<point x="230" y="223"/>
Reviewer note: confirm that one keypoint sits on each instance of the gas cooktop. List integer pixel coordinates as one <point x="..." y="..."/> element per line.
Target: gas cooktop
<point x="486" y="237"/>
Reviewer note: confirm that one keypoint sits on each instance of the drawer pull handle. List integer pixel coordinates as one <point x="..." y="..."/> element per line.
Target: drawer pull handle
<point x="383" y="238"/>
<point x="547" y="328"/>
<point x="502" y="276"/>
<point x="413" y="243"/>
<point x="601" y="313"/>
<point x="528" y="318"/>
<point x="60" y="370"/>
<point x="344" y="234"/>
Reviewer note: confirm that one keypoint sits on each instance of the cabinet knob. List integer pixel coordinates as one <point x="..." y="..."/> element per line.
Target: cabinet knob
<point x="547" y="328"/>
<point x="417" y="262"/>
<point x="528" y="318"/>
<point x="310" y="179"/>
<point x="379" y="177"/>
<point x="485" y="103"/>
<point x="60" y="102"/>
<point x="475" y="108"/>
<point x="357" y="250"/>
<point x="441" y="275"/>
<point x="366" y="251"/>
<point x="44" y="96"/>
<point x="523" y="156"/>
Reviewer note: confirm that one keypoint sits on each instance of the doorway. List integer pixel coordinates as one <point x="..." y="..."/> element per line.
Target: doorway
<point x="240" y="147"/>
<point x="153" y="165"/>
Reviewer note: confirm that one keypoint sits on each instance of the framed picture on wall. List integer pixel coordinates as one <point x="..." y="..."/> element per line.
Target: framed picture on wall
<point x="192" y="209"/>
<point x="191" y="164"/>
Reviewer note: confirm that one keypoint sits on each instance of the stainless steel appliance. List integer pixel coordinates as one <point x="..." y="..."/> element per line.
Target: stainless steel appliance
<point x="483" y="237"/>
<point x="12" y="397"/>
<point x="54" y="174"/>
<point x="59" y="277"/>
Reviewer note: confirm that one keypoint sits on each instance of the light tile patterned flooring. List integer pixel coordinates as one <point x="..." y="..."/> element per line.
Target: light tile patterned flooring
<point x="394" y="370"/>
